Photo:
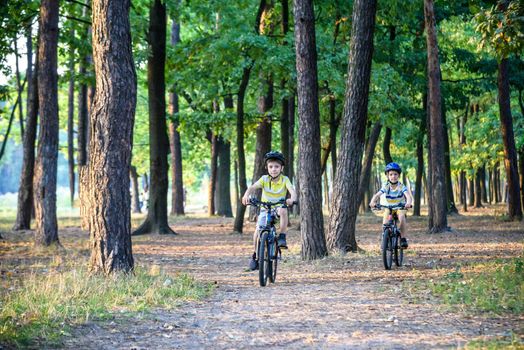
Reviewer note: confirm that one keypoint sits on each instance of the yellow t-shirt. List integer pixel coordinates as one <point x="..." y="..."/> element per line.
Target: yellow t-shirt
<point x="274" y="191"/>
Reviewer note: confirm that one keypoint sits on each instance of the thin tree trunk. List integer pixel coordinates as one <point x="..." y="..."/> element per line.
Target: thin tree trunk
<point x="420" y="159"/>
<point x="333" y="128"/>
<point x="452" y="208"/>
<point x="386" y="146"/>
<point x="344" y="208"/>
<point x="20" y="89"/>
<point x="368" y="162"/>
<point x="222" y="191"/>
<point x="70" y="123"/>
<point x="483" y="183"/>
<point x="213" y="176"/>
<point x="437" y="184"/>
<point x="135" y="198"/>
<point x="478" y="191"/>
<point x="156" y="221"/>
<point x="25" y="191"/>
<point x="310" y="192"/>
<point x="510" y="154"/>
<point x="177" y="190"/>
<point x="46" y="161"/>
<point x="242" y="183"/>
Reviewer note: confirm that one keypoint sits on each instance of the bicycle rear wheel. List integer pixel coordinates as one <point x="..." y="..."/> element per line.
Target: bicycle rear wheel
<point x="264" y="263"/>
<point x="387" y="250"/>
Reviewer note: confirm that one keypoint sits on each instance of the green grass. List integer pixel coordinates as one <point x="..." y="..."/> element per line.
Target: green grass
<point x="498" y="287"/>
<point x="45" y="306"/>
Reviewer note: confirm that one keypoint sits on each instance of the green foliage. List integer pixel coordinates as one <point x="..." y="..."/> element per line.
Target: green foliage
<point x="498" y="288"/>
<point x="44" y="304"/>
<point x="502" y="28"/>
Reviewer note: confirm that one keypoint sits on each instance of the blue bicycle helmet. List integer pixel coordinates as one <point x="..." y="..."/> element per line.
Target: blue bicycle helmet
<point x="393" y="166"/>
<point x="273" y="155"/>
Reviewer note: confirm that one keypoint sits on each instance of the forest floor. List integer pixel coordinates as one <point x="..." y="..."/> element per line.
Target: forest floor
<point x="339" y="302"/>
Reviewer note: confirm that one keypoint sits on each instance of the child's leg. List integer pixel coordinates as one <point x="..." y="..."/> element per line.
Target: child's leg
<point x="385" y="218"/>
<point x="282" y="212"/>
<point x="403" y="224"/>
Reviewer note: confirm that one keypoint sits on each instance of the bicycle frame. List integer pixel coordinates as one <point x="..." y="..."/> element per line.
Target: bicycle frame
<point x="391" y="237"/>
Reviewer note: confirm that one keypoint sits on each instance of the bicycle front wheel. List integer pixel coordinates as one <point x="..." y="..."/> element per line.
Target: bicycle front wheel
<point x="387" y="250"/>
<point x="264" y="263"/>
<point x="275" y="250"/>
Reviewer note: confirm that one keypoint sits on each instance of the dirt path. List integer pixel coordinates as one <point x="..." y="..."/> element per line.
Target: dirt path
<point x="335" y="303"/>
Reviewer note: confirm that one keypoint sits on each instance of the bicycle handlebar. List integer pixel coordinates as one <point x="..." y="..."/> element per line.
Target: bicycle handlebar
<point x="256" y="203"/>
<point x="390" y="207"/>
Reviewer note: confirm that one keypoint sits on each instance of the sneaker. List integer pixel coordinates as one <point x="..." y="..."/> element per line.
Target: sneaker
<point x="282" y="241"/>
<point x="253" y="264"/>
<point x="403" y="243"/>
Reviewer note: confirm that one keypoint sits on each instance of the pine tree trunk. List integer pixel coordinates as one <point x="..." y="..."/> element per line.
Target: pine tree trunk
<point x="25" y="191"/>
<point x="341" y="235"/>
<point x="386" y="146"/>
<point x="46" y="161"/>
<point x="510" y="153"/>
<point x="20" y="89"/>
<point x="483" y="183"/>
<point x="333" y="128"/>
<point x="368" y="162"/>
<point x="70" y="124"/>
<point x="290" y="163"/>
<point x="478" y="191"/>
<point x="310" y="192"/>
<point x="223" y="191"/>
<point x="437" y="185"/>
<point x="242" y="182"/>
<point x="213" y="176"/>
<point x="156" y="221"/>
<point x="111" y="134"/>
<point x="452" y="208"/>
<point x="135" y="198"/>
<point x="177" y="185"/>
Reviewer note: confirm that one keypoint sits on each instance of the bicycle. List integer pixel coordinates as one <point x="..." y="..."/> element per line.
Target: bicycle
<point x="268" y="251"/>
<point x="391" y="248"/>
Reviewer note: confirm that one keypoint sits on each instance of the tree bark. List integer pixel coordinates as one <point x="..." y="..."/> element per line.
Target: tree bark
<point x="478" y="191"/>
<point x="510" y="153"/>
<point x="223" y="191"/>
<point x="242" y="183"/>
<point x="20" y="89"/>
<point x="46" y="161"/>
<point x="452" y="208"/>
<point x="368" y="161"/>
<point x="420" y="158"/>
<point x="156" y="221"/>
<point x="386" y="146"/>
<point x="70" y="123"/>
<point x="177" y="185"/>
<point x="111" y="139"/>
<point x="213" y="176"/>
<point x="310" y="192"/>
<point x="437" y="185"/>
<point x="25" y="191"/>
<point x="135" y="197"/>
<point x="344" y="208"/>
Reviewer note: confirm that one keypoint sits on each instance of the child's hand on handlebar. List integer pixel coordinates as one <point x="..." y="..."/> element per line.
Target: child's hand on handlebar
<point x="290" y="202"/>
<point x="407" y="205"/>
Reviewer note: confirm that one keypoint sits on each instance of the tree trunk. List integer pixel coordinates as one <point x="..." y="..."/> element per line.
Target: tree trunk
<point x="386" y="146"/>
<point x="84" y="100"/>
<point x="70" y="123"/>
<point x="111" y="139"/>
<point x="452" y="208"/>
<point x="510" y="154"/>
<point x="213" y="176"/>
<point x="135" y="197"/>
<point x="420" y="158"/>
<point x="368" y="162"/>
<point x="437" y="186"/>
<point x="20" y="89"/>
<point x="25" y="191"/>
<point x="156" y="221"/>
<point x="46" y="161"/>
<point x="223" y="191"/>
<point x="483" y="183"/>
<point x="333" y="128"/>
<point x="177" y="190"/>
<point x="478" y="191"/>
<point x="242" y="183"/>
<point x="341" y="235"/>
<point x="263" y="136"/>
<point x="310" y="192"/>
<point x="521" y="170"/>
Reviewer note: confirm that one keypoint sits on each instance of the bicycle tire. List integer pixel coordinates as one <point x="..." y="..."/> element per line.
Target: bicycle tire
<point x="387" y="253"/>
<point x="263" y="261"/>
<point x="274" y="261"/>
<point x="395" y="245"/>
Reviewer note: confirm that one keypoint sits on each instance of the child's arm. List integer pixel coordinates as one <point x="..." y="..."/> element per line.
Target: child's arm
<point x="245" y="198"/>
<point x="373" y="200"/>
<point x="292" y="194"/>
<point x="409" y="198"/>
